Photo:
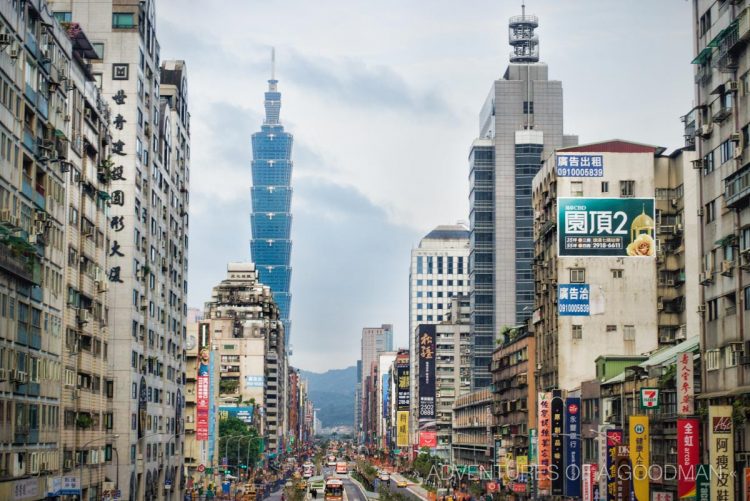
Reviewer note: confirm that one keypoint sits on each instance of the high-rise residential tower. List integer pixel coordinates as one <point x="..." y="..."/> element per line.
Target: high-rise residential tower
<point x="520" y="123"/>
<point x="375" y="340"/>
<point x="271" y="219"/>
<point x="147" y="245"/>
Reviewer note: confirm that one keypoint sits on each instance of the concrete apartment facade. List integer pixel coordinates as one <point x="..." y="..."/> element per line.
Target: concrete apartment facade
<point x="147" y="267"/>
<point x="374" y="340"/>
<point x="520" y="123"/>
<point x="247" y="336"/>
<point x="632" y="298"/>
<point x="452" y="367"/>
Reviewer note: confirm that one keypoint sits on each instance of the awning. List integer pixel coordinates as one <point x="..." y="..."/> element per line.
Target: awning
<point x="740" y="390"/>
<point x="703" y="56"/>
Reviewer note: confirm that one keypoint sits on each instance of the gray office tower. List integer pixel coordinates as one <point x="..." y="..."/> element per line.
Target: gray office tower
<point x="520" y="124"/>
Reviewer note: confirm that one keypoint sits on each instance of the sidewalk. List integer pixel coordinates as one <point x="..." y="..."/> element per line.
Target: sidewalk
<point x="415" y="489"/>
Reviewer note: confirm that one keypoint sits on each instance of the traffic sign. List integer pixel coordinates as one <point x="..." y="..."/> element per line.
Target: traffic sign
<point x="201" y="468"/>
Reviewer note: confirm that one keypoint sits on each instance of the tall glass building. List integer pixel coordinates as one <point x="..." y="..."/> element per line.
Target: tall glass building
<point x="271" y="219"/>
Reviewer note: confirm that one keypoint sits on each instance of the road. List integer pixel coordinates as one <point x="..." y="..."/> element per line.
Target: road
<point x="352" y="490"/>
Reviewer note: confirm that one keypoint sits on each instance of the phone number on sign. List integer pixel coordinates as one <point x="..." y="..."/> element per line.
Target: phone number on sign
<point x="580" y="171"/>
<point x="574" y="308"/>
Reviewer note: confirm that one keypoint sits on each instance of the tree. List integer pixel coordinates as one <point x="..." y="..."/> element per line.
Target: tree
<point x="251" y="444"/>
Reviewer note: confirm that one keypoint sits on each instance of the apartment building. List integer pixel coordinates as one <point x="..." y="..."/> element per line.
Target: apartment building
<point x="472" y="443"/>
<point x="514" y="389"/>
<point x="452" y="367"/>
<point x="247" y="335"/>
<point x="598" y="288"/>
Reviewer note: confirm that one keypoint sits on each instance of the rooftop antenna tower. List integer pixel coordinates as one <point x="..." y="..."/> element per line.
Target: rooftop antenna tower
<point x="522" y="38"/>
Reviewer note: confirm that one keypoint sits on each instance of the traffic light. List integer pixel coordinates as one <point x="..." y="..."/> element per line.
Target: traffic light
<point x="227" y="472"/>
<point x="243" y="466"/>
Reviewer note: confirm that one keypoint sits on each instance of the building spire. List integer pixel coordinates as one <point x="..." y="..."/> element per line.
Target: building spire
<point x="522" y="38"/>
<point x="273" y="63"/>
<point x="272" y="102"/>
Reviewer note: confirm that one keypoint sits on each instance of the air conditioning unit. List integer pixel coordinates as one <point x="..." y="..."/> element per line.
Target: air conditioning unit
<point x="659" y="306"/>
<point x="5" y="39"/>
<point x="144" y="303"/>
<point x="14" y="52"/>
<point x="732" y="86"/>
<point x="3" y="375"/>
<point x="701" y="308"/>
<point x="68" y="464"/>
<point x="669" y="283"/>
<point x="22" y="377"/>
<point x="101" y="286"/>
<point x="705" y="131"/>
<point x="84" y="316"/>
<point x="674" y="202"/>
<point x="737" y="152"/>
<point x="76" y="394"/>
<point x="681" y="333"/>
<point x="727" y="268"/>
<point x="705" y="278"/>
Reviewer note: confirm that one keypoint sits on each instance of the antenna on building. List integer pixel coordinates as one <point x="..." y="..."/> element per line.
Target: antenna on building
<point x="273" y="63"/>
<point x="522" y="38"/>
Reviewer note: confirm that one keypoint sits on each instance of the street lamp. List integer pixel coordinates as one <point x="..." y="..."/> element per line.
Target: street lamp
<point x="80" y="463"/>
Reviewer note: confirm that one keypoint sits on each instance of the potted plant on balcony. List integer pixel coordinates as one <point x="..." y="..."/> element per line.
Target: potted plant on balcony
<point x="84" y="421"/>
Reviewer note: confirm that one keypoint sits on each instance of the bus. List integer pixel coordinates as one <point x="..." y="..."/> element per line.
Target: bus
<point x="334" y="489"/>
<point x="342" y="468"/>
<point x="331" y="460"/>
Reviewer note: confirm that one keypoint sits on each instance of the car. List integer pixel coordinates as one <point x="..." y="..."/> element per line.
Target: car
<point x="385" y="477"/>
<point x="402" y="483"/>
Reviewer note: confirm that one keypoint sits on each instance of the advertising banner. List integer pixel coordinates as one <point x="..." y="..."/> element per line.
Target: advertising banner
<point x="593" y="227"/>
<point x="426" y="386"/>
<point x="558" y="462"/>
<point x="386" y="394"/>
<point x="662" y="496"/>
<point x="580" y="165"/>
<point x="533" y="460"/>
<point x="721" y="451"/>
<point x="618" y="457"/>
<point x="703" y="484"/>
<point x="202" y="384"/>
<point x="402" y="428"/>
<point x="685" y="384"/>
<point x="573" y="300"/>
<point x="402" y="385"/>
<point x="688" y="456"/>
<point x="572" y="471"/>
<point x="544" y="446"/>
<point x="640" y="456"/>
<point x="603" y="468"/>
<point x="243" y="413"/>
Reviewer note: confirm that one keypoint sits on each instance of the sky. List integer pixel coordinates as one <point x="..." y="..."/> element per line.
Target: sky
<point x="383" y="101"/>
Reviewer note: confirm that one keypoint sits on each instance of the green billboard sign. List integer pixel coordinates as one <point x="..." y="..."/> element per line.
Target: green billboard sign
<point x="620" y="227"/>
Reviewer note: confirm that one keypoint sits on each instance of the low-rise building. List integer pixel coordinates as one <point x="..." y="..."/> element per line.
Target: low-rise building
<point x="472" y="444"/>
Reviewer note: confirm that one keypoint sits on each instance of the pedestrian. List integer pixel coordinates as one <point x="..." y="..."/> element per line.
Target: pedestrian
<point x="314" y="493"/>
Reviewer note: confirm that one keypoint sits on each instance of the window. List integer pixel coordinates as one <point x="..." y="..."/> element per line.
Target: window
<point x="528" y="107"/>
<point x="712" y="360"/>
<point x="712" y="307"/>
<point x="605" y="186"/>
<point x="123" y="20"/>
<point x="732" y="354"/>
<point x="726" y="151"/>
<point x="708" y="162"/>
<point x="611" y="328"/>
<point x="577" y="332"/>
<point x="577" y="275"/>
<point x="576" y="188"/>
<point x="627" y="188"/>
<point x="99" y="49"/>
<point x="710" y="211"/>
<point x="628" y="333"/>
<point x="616" y="273"/>
<point x="63" y="17"/>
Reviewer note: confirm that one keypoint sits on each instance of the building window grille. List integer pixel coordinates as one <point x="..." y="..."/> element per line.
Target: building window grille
<point x="627" y="188"/>
<point x="577" y="332"/>
<point x="577" y="275"/>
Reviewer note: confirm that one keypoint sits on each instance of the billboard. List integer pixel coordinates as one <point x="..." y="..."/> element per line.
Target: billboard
<point x="402" y="386"/>
<point x="202" y="385"/>
<point x="426" y="371"/>
<point x="580" y="165"/>
<point x="386" y="390"/>
<point x="721" y="451"/>
<point x="640" y="454"/>
<point x="402" y="428"/>
<point x="243" y="413"/>
<point x="573" y="300"/>
<point x="618" y="459"/>
<point x="688" y="456"/>
<point x="685" y="384"/>
<point x="572" y="447"/>
<point x="428" y="439"/>
<point x="596" y="227"/>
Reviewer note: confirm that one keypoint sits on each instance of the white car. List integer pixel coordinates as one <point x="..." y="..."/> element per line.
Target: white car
<point x="385" y="477"/>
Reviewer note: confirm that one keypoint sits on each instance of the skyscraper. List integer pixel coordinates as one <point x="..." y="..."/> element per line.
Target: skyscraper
<point x="271" y="219"/>
<point x="521" y="122"/>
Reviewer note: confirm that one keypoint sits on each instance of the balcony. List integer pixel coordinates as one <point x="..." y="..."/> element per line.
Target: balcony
<point x="15" y="263"/>
<point x="29" y="140"/>
<point x="721" y="114"/>
<point x="737" y="188"/>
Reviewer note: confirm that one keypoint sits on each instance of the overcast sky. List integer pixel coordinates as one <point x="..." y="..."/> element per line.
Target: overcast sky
<point x="383" y="101"/>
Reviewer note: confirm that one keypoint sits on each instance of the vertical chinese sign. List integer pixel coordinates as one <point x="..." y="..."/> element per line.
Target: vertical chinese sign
<point x="688" y="433"/>
<point x="402" y="399"/>
<point x="685" y="382"/>
<point x="202" y="389"/>
<point x="572" y="473"/>
<point x="109" y="171"/>
<point x="618" y="457"/>
<point x="640" y="456"/>
<point x="558" y="466"/>
<point x="426" y="384"/>
<point x="533" y="461"/>
<point x="544" y="445"/>
<point x="721" y="452"/>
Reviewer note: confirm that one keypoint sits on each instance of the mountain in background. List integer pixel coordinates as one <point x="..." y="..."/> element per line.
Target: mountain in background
<point x="332" y="393"/>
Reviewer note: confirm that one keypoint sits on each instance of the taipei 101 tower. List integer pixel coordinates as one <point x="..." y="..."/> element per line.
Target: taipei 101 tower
<point x="271" y="218"/>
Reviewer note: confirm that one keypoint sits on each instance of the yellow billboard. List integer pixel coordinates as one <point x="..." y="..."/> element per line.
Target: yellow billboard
<point x="402" y="428"/>
<point x="721" y="451"/>
<point x="640" y="456"/>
